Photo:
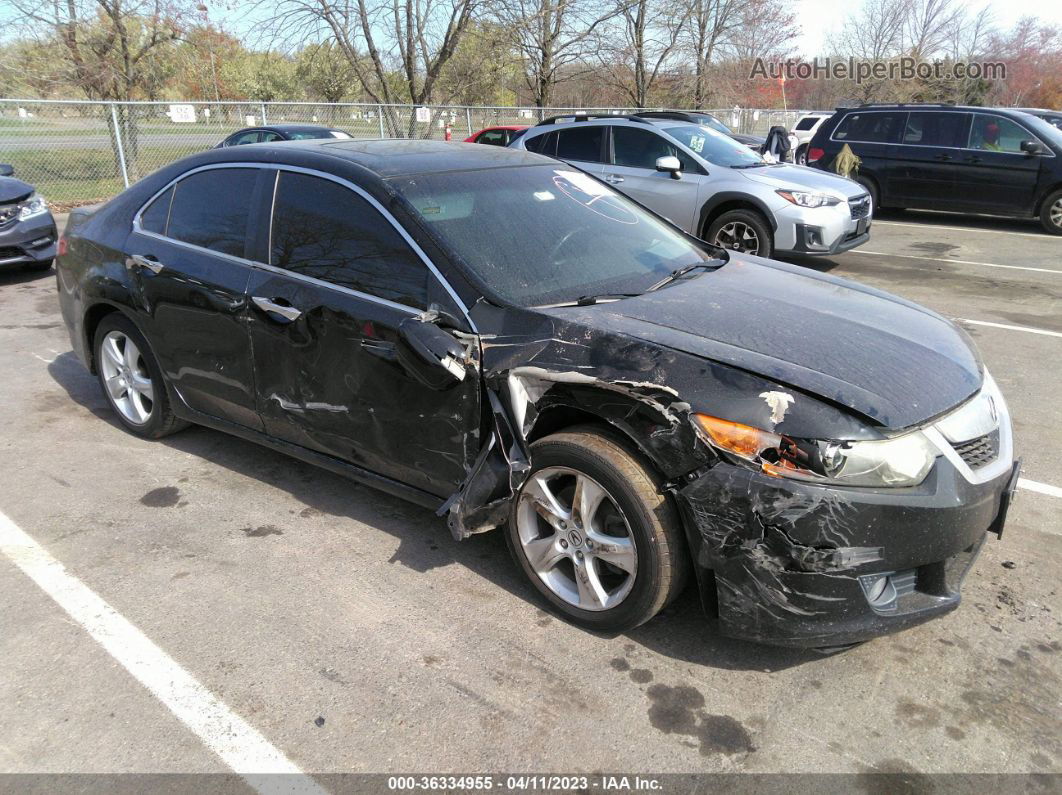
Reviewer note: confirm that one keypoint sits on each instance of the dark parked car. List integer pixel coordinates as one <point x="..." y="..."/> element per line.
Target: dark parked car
<point x="949" y="157"/>
<point x="506" y="340"/>
<point x="27" y="228"/>
<point x="280" y="132"/>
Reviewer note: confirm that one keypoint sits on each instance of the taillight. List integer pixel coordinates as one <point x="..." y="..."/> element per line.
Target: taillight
<point x="62" y="245"/>
<point x="814" y="153"/>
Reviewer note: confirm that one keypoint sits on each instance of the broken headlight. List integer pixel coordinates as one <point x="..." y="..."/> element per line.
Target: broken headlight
<point x="902" y="461"/>
<point x="32" y="207"/>
<point x="805" y="199"/>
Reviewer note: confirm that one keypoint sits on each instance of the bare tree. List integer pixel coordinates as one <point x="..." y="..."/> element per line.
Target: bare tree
<point x="398" y="50"/>
<point x="710" y="23"/>
<point x="635" y="50"/>
<point x="554" y="38"/>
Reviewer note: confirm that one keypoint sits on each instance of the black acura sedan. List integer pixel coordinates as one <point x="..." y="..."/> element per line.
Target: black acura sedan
<point x="504" y="339"/>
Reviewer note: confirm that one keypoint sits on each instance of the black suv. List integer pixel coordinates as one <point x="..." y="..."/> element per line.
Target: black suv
<point x="949" y="157"/>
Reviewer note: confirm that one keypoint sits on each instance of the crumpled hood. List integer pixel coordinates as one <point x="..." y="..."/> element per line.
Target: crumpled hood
<point x="13" y="190"/>
<point x="784" y="175"/>
<point x="892" y="361"/>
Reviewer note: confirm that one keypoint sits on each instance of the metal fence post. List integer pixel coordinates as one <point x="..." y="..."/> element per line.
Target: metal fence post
<point x="265" y="121"/>
<point x="118" y="141"/>
<point x="379" y="115"/>
<point x="468" y="118"/>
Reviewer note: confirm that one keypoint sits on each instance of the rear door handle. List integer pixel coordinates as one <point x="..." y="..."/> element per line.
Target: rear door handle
<point x="287" y="312"/>
<point x="144" y="261"/>
<point x="973" y="159"/>
<point x="943" y="158"/>
<point x="613" y="179"/>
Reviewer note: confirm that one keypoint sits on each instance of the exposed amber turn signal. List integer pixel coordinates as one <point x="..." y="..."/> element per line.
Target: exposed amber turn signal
<point x="742" y="440"/>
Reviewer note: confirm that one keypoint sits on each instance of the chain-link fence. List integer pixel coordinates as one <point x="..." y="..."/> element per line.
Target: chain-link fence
<point x="77" y="152"/>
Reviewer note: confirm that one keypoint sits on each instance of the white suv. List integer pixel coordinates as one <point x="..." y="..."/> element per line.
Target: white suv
<point x="802" y="133"/>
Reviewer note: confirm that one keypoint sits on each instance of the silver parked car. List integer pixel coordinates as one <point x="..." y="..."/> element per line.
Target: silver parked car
<point x="709" y="184"/>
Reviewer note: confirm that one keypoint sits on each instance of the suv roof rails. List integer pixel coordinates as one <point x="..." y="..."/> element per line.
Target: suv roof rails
<point x="589" y="116"/>
<point x="905" y="105"/>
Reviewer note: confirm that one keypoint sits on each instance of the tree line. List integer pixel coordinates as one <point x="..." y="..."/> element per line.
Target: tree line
<point x="546" y="53"/>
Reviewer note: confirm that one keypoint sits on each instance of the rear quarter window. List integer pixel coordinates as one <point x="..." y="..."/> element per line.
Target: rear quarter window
<point x="211" y="209"/>
<point x="873" y="127"/>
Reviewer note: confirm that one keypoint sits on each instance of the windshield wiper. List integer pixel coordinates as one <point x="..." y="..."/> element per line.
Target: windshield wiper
<point x="587" y="300"/>
<point x="751" y="165"/>
<point x="678" y="273"/>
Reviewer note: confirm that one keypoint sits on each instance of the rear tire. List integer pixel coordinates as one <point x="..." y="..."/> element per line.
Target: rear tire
<point x="1051" y="214"/>
<point x="621" y="566"/>
<point x="742" y="230"/>
<point x="801" y="156"/>
<point x="131" y="379"/>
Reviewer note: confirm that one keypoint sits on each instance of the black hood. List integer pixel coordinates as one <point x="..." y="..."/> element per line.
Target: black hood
<point x="13" y="190"/>
<point x="892" y="361"/>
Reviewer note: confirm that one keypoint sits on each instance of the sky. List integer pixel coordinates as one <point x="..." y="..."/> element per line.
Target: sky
<point x="818" y="17"/>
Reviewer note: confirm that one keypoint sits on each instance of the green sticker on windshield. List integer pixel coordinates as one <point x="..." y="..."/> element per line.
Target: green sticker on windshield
<point x="697" y="143"/>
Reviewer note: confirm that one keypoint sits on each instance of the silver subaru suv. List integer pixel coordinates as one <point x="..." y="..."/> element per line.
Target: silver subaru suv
<point x="709" y="184"/>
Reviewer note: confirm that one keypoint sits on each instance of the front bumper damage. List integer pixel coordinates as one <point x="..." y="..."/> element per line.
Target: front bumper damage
<point x="28" y="242"/>
<point x="791" y="563"/>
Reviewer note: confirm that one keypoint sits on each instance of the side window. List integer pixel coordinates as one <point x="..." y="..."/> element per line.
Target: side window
<point x="934" y="129"/>
<point x="269" y="137"/>
<point x="580" y="143"/>
<point x="997" y="134"/>
<point x="638" y="148"/>
<point x="325" y="230"/>
<point x="493" y="137"/>
<point x="876" y="127"/>
<point x="806" y="123"/>
<point x="252" y="137"/>
<point x="211" y="209"/>
<point x="543" y="144"/>
<point x="153" y="219"/>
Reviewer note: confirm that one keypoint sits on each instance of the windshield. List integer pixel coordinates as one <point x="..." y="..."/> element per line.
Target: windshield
<point x="542" y="235"/>
<point x="713" y="146"/>
<point x="303" y="135"/>
<point x="1045" y="130"/>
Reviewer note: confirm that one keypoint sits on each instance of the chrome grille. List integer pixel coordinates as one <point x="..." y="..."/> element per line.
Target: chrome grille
<point x="860" y="208"/>
<point x="980" y="451"/>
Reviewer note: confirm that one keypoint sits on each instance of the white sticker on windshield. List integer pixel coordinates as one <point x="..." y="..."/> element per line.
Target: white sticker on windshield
<point x="697" y="143"/>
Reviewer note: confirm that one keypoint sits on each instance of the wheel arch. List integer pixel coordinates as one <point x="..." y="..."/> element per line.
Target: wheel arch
<point x="1047" y="192"/>
<point x="94" y="315"/>
<point x="724" y="202"/>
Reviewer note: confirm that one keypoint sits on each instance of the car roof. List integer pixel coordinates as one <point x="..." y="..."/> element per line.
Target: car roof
<point x="396" y="157"/>
<point x="294" y="127"/>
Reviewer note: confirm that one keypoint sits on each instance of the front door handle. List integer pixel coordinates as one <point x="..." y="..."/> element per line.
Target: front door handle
<point x="144" y="261"/>
<point x="613" y="179"/>
<point x="287" y="312"/>
<point x="942" y="158"/>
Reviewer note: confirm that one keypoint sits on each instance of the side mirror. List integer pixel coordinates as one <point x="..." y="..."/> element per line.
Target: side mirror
<point x="430" y="354"/>
<point x="7" y="170"/>
<point x="1032" y="147"/>
<point x="670" y="164"/>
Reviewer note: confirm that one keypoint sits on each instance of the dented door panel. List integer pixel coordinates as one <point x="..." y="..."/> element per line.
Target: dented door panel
<point x="331" y="381"/>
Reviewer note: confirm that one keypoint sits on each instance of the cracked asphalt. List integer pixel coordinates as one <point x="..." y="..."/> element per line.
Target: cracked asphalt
<point x="352" y="632"/>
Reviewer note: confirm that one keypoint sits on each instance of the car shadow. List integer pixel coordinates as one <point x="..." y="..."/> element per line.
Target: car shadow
<point x="994" y="223"/>
<point x="424" y="542"/>
<point x="22" y="275"/>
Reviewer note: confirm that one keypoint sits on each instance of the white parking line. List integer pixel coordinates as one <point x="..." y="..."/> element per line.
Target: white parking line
<point x="930" y="225"/>
<point x="957" y="261"/>
<point x="1009" y="327"/>
<point x="224" y="732"/>
<point x="1041" y="488"/>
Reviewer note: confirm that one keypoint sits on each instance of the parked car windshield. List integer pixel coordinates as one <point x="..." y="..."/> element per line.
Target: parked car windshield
<point x="302" y="135"/>
<point x="713" y="146"/>
<point x="541" y="235"/>
<point x="1045" y="130"/>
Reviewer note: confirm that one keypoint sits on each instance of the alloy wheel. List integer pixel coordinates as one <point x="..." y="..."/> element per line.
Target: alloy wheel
<point x="1055" y="213"/>
<point x="576" y="539"/>
<point x="126" y="378"/>
<point x="738" y="236"/>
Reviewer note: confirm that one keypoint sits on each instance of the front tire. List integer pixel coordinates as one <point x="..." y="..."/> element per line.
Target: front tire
<point x="745" y="231"/>
<point x="594" y="533"/>
<point x="131" y="379"/>
<point x="1051" y="213"/>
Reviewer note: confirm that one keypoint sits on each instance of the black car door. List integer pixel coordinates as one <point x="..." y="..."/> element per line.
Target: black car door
<point x="923" y="174"/>
<point x="337" y="278"/>
<point x="188" y="252"/>
<point x="873" y="136"/>
<point x="994" y="174"/>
